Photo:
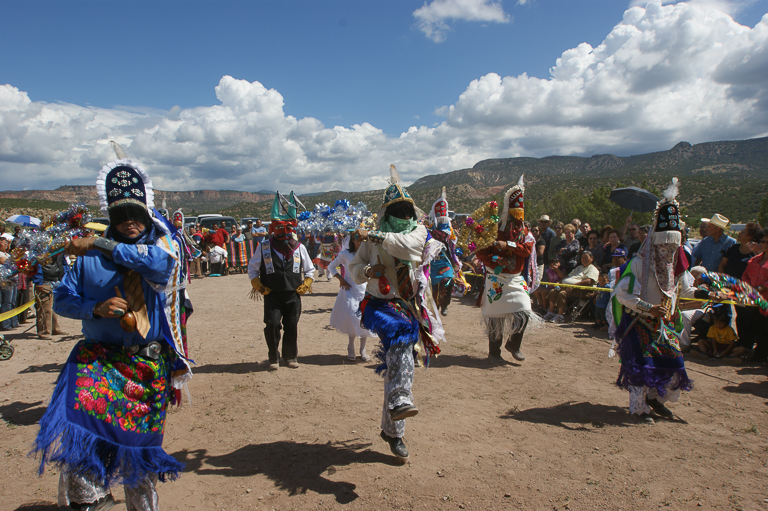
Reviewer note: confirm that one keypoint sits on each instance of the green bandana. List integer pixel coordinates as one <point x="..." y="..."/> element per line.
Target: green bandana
<point x="398" y="225"/>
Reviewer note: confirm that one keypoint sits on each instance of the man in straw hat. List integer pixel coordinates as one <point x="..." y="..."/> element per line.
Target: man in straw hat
<point x="398" y="304"/>
<point x="709" y="252"/>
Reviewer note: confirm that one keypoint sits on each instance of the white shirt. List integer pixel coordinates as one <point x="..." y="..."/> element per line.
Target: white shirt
<point x="407" y="247"/>
<point x="254" y="265"/>
<point x="217" y="254"/>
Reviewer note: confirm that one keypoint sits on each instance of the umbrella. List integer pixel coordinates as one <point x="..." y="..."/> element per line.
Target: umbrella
<point x="634" y="198"/>
<point x="25" y="220"/>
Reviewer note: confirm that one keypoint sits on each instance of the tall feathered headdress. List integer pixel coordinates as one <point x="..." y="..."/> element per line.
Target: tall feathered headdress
<point x="513" y="204"/>
<point x="439" y="213"/>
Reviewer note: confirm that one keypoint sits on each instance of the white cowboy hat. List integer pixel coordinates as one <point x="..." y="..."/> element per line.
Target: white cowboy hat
<point x="717" y="220"/>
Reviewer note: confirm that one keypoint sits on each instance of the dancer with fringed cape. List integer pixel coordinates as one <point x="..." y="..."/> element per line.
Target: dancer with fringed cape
<point x="646" y="320"/>
<point x="398" y="304"/>
<point x="510" y="278"/>
<point x="105" y="422"/>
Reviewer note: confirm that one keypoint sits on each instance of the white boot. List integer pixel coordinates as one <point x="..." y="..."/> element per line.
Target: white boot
<point x="364" y="354"/>
<point x="351" y="348"/>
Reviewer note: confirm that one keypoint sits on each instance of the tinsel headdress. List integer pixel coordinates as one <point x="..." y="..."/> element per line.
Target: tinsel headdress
<point x="513" y="204"/>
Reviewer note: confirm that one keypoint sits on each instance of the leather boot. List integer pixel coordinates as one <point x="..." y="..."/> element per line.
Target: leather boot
<point x="513" y="346"/>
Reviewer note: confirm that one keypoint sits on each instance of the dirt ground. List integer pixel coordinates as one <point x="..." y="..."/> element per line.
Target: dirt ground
<point x="550" y="433"/>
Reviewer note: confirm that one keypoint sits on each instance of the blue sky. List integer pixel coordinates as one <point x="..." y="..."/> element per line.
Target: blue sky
<point x="431" y="86"/>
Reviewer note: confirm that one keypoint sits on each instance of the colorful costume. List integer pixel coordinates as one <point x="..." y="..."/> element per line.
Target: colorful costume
<point x="329" y="247"/>
<point x="345" y="316"/>
<point x="281" y="271"/>
<point x="445" y="269"/>
<point x="511" y="275"/>
<point x="652" y="366"/>
<point x="105" y="421"/>
<point x="398" y="305"/>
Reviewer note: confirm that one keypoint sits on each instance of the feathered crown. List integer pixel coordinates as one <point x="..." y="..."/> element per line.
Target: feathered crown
<point x="513" y="203"/>
<point x="439" y="213"/>
<point x="395" y="192"/>
<point x="124" y="181"/>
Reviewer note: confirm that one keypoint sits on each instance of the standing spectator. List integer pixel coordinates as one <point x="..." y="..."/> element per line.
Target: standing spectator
<point x="546" y="232"/>
<point x="613" y="244"/>
<point x="753" y="325"/>
<point x="48" y="277"/>
<point x="736" y="258"/>
<point x="237" y="237"/>
<point x="553" y="275"/>
<point x="8" y="292"/>
<point x="541" y="247"/>
<point x="630" y="233"/>
<point x="703" y="230"/>
<point x="224" y="234"/>
<point x="216" y="257"/>
<point x="593" y="246"/>
<point x="584" y="230"/>
<point x="233" y="231"/>
<point x="710" y="251"/>
<point x="568" y="249"/>
<point x="248" y="230"/>
<point x="642" y="233"/>
<point x="195" y="265"/>
<point x="259" y="232"/>
<point x="554" y="242"/>
<point x="605" y="233"/>
<point x="577" y="224"/>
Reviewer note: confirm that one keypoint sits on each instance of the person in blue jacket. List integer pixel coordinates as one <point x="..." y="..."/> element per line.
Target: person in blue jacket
<point x="106" y="418"/>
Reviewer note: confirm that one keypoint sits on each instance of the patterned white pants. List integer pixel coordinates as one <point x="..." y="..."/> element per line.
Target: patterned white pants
<point x="397" y="387"/>
<point x="81" y="489"/>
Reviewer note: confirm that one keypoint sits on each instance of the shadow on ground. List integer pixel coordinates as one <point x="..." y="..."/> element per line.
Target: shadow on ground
<point x="22" y="414"/>
<point x="294" y="467"/>
<point x="38" y="506"/>
<point x="44" y="368"/>
<point x="577" y="416"/>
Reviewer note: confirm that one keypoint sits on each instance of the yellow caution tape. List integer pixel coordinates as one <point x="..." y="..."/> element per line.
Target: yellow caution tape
<point x="16" y="311"/>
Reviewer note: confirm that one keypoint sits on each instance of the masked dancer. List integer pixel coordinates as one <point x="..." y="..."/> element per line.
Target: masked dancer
<point x="105" y="422"/>
<point x="398" y="305"/>
<point x="282" y="272"/>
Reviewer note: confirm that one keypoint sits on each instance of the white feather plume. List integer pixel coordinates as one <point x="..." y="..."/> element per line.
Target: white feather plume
<point x="101" y="182"/>
<point x="119" y="151"/>
<point x="394" y="177"/>
<point x="672" y="190"/>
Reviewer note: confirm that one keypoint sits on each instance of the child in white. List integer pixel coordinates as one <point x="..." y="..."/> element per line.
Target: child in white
<point x="345" y="316"/>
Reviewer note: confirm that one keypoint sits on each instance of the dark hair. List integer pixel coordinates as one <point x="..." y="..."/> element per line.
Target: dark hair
<point x="402" y="209"/>
<point x="721" y="314"/>
<point x="618" y="235"/>
<point x="752" y="229"/>
<point x="608" y="227"/>
<point x="128" y="211"/>
<point x="595" y="233"/>
<point x="761" y="235"/>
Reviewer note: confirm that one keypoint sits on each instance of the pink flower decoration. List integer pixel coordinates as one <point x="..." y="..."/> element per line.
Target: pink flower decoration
<point x="472" y="246"/>
<point x="469" y="220"/>
<point x="479" y="228"/>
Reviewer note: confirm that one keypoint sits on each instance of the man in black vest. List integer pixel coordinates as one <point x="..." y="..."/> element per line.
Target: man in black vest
<point x="281" y="271"/>
<point x="48" y="276"/>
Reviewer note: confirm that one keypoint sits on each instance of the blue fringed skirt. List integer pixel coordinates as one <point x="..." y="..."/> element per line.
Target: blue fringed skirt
<point x="650" y="356"/>
<point x="107" y="416"/>
<point x="392" y="321"/>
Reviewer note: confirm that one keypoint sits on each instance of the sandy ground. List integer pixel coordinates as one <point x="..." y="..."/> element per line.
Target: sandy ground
<point x="550" y="433"/>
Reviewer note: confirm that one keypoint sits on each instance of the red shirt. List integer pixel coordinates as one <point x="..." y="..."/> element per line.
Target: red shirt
<point x="519" y="253"/>
<point x="756" y="273"/>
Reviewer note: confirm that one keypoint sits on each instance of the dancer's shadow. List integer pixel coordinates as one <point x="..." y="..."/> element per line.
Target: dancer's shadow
<point x="323" y="294"/>
<point x="446" y="360"/>
<point x="22" y="414"/>
<point x="566" y="414"/>
<point x="44" y="368"/>
<point x="38" y="506"/>
<point x="317" y="311"/>
<point x="237" y="368"/>
<point x="759" y="389"/>
<point x="295" y="467"/>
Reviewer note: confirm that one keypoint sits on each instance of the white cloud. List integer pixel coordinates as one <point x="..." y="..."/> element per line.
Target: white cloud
<point x="433" y="18"/>
<point x="666" y="73"/>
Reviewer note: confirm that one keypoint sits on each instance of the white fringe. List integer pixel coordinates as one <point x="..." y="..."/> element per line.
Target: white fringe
<point x="513" y="323"/>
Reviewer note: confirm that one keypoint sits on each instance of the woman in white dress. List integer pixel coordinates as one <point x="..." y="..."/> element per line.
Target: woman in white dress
<point x="345" y="316"/>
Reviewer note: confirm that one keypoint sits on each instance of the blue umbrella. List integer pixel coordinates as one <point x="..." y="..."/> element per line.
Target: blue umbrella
<point x="634" y="198"/>
<point x="25" y="220"/>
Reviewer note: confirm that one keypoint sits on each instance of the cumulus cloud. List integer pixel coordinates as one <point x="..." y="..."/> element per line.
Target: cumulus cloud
<point x="433" y="18"/>
<point x="666" y="73"/>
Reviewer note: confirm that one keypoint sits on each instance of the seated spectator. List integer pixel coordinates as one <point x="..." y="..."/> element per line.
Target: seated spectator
<point x="613" y="244"/>
<point x="605" y="233"/>
<point x="601" y="300"/>
<point x="720" y="339"/>
<point x="553" y="274"/>
<point x="568" y="249"/>
<point x="586" y="274"/>
<point x="584" y="230"/>
<point x="577" y="224"/>
<point x="710" y="251"/>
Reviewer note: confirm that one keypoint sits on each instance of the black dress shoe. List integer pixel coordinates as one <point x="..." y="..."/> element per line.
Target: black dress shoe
<point x="403" y="412"/>
<point x="396" y="445"/>
<point x="644" y="418"/>
<point x="103" y="504"/>
<point x="660" y="408"/>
